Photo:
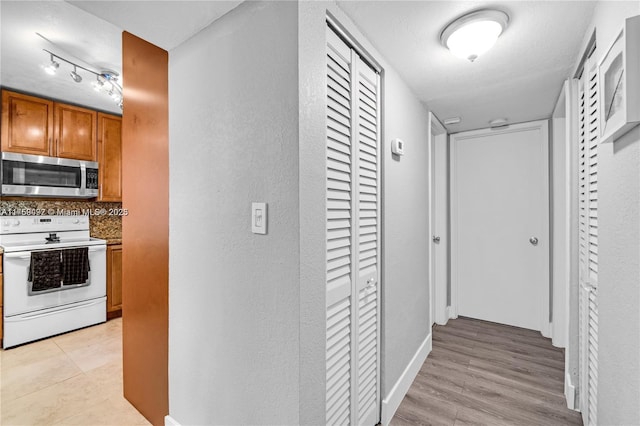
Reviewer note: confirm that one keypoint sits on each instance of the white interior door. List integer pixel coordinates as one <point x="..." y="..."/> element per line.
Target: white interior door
<point x="435" y="238"/>
<point x="353" y="293"/>
<point x="438" y="221"/>
<point x="500" y="224"/>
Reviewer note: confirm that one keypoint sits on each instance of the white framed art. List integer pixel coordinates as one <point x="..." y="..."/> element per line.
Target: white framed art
<point x="619" y="81"/>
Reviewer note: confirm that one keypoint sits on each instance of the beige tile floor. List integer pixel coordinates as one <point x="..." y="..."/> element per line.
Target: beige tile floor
<point x="71" y="379"/>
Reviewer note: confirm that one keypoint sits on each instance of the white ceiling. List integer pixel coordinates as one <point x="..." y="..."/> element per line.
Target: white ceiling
<point x="163" y="23"/>
<point x="76" y="35"/>
<point x="519" y="78"/>
<point x="89" y="33"/>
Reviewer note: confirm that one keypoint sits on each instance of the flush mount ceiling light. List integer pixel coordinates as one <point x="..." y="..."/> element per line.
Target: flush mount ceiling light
<point x="472" y="34"/>
<point x="106" y="81"/>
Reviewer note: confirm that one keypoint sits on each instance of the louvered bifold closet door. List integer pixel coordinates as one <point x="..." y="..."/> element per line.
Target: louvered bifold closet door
<point x="592" y="235"/>
<point x="583" y="296"/>
<point x="588" y="122"/>
<point x="367" y="244"/>
<point x="353" y="305"/>
<point x="340" y="227"/>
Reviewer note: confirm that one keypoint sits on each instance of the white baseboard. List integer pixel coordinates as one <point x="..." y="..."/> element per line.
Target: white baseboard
<point x="569" y="392"/>
<point x="558" y="338"/>
<point x="452" y="313"/>
<point x="546" y="330"/>
<point x="391" y="403"/>
<point x="170" y="421"/>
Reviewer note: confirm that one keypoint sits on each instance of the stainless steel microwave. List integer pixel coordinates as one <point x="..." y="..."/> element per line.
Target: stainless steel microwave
<point x="40" y="176"/>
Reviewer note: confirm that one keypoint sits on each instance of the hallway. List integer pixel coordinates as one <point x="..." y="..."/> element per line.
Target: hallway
<point x="485" y="373"/>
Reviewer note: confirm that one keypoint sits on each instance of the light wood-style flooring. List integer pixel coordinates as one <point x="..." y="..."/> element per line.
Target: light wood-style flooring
<point x="70" y="379"/>
<point x="491" y="374"/>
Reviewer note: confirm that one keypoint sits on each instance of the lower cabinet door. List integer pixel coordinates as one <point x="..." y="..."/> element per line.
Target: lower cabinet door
<point x="114" y="278"/>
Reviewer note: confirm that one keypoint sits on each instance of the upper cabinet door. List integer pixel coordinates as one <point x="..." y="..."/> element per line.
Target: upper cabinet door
<point x="27" y="124"/>
<point x="110" y="157"/>
<point x="75" y="132"/>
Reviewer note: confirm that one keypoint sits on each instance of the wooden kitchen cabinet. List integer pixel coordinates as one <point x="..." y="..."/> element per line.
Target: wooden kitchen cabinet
<point x="114" y="280"/>
<point x="37" y="126"/>
<point x="110" y="157"/>
<point x="27" y="124"/>
<point x="75" y="132"/>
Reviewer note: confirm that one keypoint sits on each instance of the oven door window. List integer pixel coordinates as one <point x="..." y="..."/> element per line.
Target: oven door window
<point x="37" y="174"/>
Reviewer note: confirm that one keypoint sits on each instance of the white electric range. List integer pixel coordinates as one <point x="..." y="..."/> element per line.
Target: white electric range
<point x="32" y="313"/>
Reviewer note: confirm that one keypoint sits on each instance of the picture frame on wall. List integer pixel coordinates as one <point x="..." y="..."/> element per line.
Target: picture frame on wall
<point x="619" y="81"/>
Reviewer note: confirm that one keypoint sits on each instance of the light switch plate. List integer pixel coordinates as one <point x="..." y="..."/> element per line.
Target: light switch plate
<point x="259" y="218"/>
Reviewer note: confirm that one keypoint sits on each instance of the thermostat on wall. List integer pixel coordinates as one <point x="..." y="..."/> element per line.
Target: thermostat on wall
<point x="397" y="147"/>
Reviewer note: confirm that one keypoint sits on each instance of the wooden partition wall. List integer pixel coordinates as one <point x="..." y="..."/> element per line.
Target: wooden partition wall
<point x="145" y="230"/>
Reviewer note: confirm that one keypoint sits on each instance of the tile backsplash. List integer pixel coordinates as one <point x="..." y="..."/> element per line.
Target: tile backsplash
<point x="105" y="219"/>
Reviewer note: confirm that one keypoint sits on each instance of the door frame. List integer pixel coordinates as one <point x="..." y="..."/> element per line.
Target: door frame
<point x="543" y="125"/>
<point x="437" y="290"/>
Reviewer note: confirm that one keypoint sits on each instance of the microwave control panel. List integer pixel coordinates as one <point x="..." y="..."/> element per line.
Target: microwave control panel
<point x="92" y="178"/>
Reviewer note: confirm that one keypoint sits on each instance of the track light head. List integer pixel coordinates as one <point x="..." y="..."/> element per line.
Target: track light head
<point x="52" y="67"/>
<point x="75" y="76"/>
<point x="98" y="85"/>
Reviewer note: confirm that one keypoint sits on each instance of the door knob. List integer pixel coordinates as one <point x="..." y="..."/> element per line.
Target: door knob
<point x="533" y="241"/>
<point x="436" y="239"/>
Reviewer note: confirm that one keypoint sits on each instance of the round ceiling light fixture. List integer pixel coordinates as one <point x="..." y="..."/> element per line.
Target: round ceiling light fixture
<point x="473" y="34"/>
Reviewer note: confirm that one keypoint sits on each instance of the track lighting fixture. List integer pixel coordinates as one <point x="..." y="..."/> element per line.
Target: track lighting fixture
<point x="75" y="76"/>
<point x="98" y="85"/>
<point x="51" y="67"/>
<point x="106" y="81"/>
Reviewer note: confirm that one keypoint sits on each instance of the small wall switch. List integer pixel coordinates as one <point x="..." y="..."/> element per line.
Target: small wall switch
<point x="259" y="218"/>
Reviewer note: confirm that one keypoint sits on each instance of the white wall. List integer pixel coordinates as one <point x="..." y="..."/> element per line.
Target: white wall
<point x="405" y="229"/>
<point x="405" y="309"/>
<point x="247" y="312"/>
<point x="234" y="296"/>
<point x="619" y="251"/>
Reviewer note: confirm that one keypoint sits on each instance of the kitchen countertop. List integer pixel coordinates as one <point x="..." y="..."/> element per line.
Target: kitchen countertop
<point x="113" y="241"/>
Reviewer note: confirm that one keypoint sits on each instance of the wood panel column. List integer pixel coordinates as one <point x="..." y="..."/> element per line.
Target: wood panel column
<point x="145" y="230"/>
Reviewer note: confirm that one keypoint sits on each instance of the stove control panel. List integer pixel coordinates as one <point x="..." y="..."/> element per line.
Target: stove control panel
<point x="31" y="224"/>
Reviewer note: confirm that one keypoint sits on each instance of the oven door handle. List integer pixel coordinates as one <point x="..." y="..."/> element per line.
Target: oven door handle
<point x="48" y="312"/>
<point x="22" y="255"/>
<point x="17" y="256"/>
